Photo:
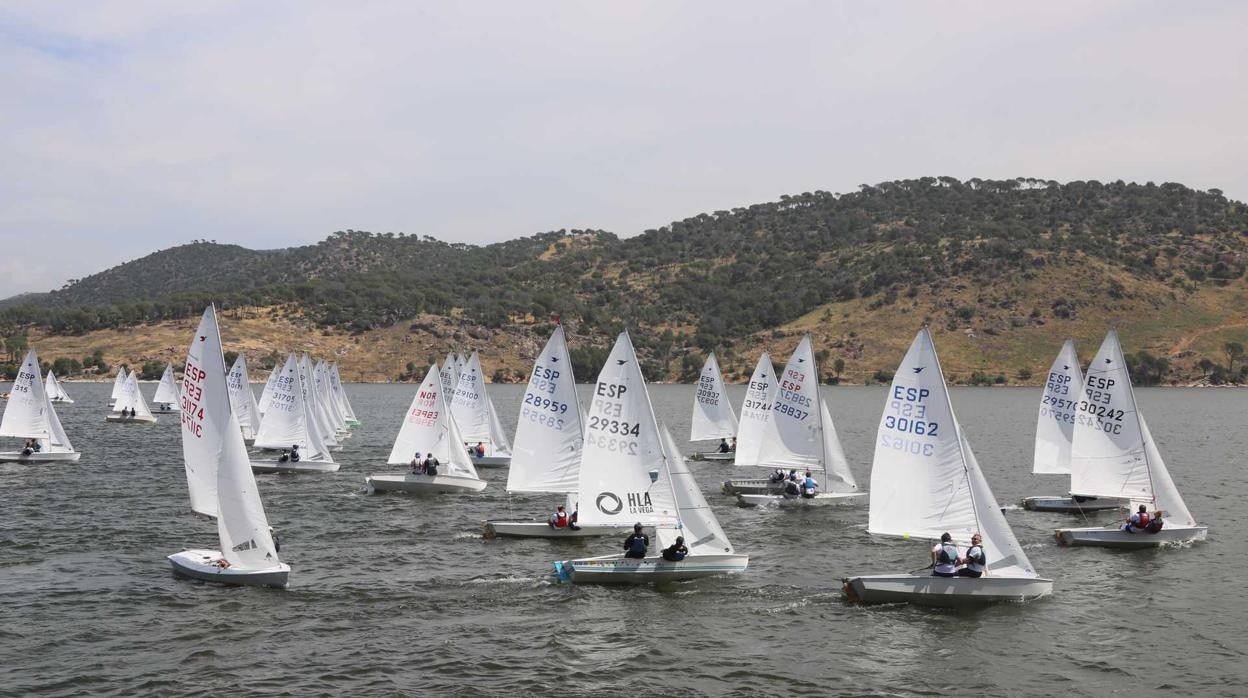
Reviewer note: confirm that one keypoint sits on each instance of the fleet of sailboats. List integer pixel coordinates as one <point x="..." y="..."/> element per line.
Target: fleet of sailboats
<point x="618" y="466"/>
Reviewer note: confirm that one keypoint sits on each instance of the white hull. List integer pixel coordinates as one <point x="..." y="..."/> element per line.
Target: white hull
<point x="199" y="564"/>
<point x="715" y="456"/>
<point x="757" y="485"/>
<point x="168" y="409"/>
<point x="129" y="420"/>
<point x="303" y="466"/>
<point x="41" y="457"/>
<point x="1074" y="505"/>
<point x="491" y="462"/>
<point x="617" y="569"/>
<point x="422" y="484"/>
<point x="944" y="591"/>
<point x="1117" y="538"/>
<point x="820" y="499"/>
<point x="62" y="401"/>
<point x="540" y="529"/>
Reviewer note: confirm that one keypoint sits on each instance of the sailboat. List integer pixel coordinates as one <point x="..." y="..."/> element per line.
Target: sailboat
<point x="800" y="436"/>
<point x="925" y="481"/>
<point x="633" y="472"/>
<point x="547" y="452"/>
<point x="131" y="398"/>
<point x="119" y="382"/>
<point x="476" y="417"/>
<point x="242" y="400"/>
<point x="449" y="377"/>
<point x="218" y="475"/>
<point x="167" y="391"/>
<point x="1113" y="455"/>
<point x="1055" y="428"/>
<point x="289" y="422"/>
<point x="713" y="417"/>
<point x="29" y="415"/>
<point x="760" y="395"/>
<point x="321" y="422"/>
<point x="340" y="394"/>
<point x="266" y="393"/>
<point x="429" y="429"/>
<point x="56" y="393"/>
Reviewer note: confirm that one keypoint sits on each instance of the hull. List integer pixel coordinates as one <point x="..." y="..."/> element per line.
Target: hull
<point x="1074" y="505"/>
<point x="715" y="456"/>
<point x="303" y="466"/>
<point x="951" y="592"/>
<point x="617" y="569"/>
<point x="199" y="564"/>
<point x="1117" y="538"/>
<point x="129" y="420"/>
<point x="820" y="499"/>
<point x="62" y="401"/>
<point x="167" y="409"/>
<point x="491" y="462"/>
<point x="42" y="457"/>
<point x="540" y="529"/>
<point x="422" y="484"/>
<point x="758" y="485"/>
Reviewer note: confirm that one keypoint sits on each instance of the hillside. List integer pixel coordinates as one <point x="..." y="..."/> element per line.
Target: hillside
<point x="1002" y="270"/>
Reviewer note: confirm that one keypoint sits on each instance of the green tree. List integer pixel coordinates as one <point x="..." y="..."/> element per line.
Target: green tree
<point x="151" y="370"/>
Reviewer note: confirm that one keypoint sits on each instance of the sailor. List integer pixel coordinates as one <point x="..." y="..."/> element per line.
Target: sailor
<point x="559" y="519"/>
<point x="975" y="558"/>
<point x="285" y="457"/>
<point x="809" y="485"/>
<point x="636" y="543"/>
<point x="480" y="450"/>
<point x="944" y="557"/>
<point x="676" y="551"/>
<point x="294" y="453"/>
<point x="572" y="519"/>
<point x="778" y="476"/>
<point x="37" y="445"/>
<point x="431" y="465"/>
<point x="724" y="447"/>
<point x="1138" y="521"/>
<point x="1155" y="524"/>
<point x="29" y="448"/>
<point x="418" y="466"/>
<point x="792" y="490"/>
<point x="732" y="445"/>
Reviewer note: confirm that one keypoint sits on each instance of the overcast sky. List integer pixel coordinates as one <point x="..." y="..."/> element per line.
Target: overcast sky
<point x="127" y="127"/>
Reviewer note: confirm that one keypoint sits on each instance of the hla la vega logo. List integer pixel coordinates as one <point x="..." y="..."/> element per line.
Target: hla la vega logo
<point x="638" y="503"/>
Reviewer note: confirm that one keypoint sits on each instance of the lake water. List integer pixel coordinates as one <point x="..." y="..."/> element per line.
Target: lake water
<point x="401" y="595"/>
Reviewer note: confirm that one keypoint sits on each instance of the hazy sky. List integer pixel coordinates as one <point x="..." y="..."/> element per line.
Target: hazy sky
<point x="131" y="126"/>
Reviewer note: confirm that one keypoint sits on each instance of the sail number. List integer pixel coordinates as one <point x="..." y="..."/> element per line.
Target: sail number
<point x="918" y="427"/>
<point x="610" y="444"/>
<point x="538" y="417"/>
<point x="192" y="393"/>
<point x="614" y="426"/>
<point x="545" y="403"/>
<point x="911" y="446"/>
<point x="23" y="379"/>
<point x="795" y="413"/>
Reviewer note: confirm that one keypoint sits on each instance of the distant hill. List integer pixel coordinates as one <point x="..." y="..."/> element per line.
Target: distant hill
<point x="1006" y="269"/>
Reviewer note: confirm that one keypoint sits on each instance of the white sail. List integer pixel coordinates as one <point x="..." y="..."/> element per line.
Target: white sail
<point x="449" y="377"/>
<point x="167" y="390"/>
<point x="1055" y="423"/>
<point x="26" y="412"/>
<point x="205" y="421"/>
<point x="836" y="465"/>
<point x="289" y="420"/>
<point x="702" y="532"/>
<point x="713" y="417"/>
<point x="131" y="398"/>
<point x="267" y="393"/>
<point x="1165" y="495"/>
<point x="340" y="393"/>
<point x="212" y="439"/>
<point x="549" y="432"/>
<point x="242" y="400"/>
<point x="1107" y="454"/>
<point x="320" y="425"/>
<point x="429" y="428"/>
<point x="760" y="394"/>
<point x="793" y="436"/>
<point x="59" y="443"/>
<point x="320" y="379"/>
<point x="470" y="405"/>
<point x="622" y="448"/>
<point x="53" y="389"/>
<point x="118" y="382"/>
<point x="925" y="480"/>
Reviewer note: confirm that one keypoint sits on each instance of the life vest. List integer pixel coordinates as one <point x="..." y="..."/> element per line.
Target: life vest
<point x="810" y="484"/>
<point x="1140" y="519"/>
<point x="948" y="554"/>
<point x="637" y="544"/>
<point x="976" y="558"/>
<point x="561" y="519"/>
